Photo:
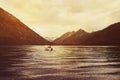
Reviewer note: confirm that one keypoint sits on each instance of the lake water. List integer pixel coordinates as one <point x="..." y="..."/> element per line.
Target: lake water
<point x="63" y="63"/>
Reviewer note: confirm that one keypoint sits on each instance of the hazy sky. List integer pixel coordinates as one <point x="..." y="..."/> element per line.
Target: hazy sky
<point x="51" y="18"/>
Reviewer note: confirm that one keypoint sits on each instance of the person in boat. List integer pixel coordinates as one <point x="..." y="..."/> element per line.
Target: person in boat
<point x="49" y="48"/>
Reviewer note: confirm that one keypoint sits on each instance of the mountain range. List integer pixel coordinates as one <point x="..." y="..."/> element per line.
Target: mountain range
<point x="107" y="36"/>
<point x="13" y="31"/>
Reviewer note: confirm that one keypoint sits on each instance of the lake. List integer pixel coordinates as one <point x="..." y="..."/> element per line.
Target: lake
<point x="63" y="63"/>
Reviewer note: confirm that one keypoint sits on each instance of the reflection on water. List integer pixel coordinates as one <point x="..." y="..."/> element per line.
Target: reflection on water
<point x="63" y="63"/>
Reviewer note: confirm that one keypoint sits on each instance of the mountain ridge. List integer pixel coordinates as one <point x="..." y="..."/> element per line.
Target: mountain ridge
<point x="106" y="36"/>
<point x="64" y="36"/>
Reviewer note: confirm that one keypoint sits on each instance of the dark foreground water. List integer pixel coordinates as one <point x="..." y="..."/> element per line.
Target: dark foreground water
<point x="63" y="63"/>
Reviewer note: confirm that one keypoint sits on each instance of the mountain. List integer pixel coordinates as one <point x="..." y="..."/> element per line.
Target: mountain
<point x="75" y="38"/>
<point x="14" y="32"/>
<point x="107" y="36"/>
<point x="70" y="38"/>
<point x="61" y="39"/>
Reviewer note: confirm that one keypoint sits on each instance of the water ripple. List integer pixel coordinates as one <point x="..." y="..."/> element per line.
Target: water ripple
<point x="63" y="63"/>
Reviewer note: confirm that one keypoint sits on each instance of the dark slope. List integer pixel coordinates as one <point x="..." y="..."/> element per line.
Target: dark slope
<point x="107" y="36"/>
<point x="14" y="32"/>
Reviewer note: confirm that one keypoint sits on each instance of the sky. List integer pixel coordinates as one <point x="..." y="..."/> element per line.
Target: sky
<point x="52" y="18"/>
